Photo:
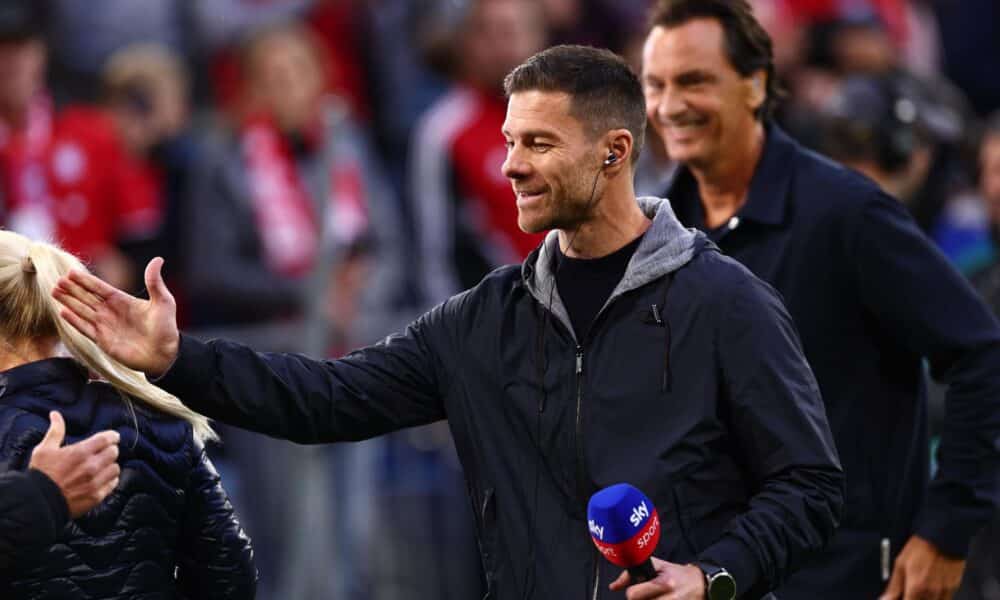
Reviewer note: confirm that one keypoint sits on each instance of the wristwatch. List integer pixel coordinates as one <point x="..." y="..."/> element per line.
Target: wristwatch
<point x="719" y="584"/>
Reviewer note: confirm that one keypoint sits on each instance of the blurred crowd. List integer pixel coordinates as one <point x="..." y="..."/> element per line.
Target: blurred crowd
<point x="316" y="172"/>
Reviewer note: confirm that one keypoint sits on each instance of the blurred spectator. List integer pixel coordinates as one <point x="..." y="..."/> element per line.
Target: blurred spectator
<point x="466" y="219"/>
<point x="906" y="137"/>
<point x="982" y="577"/>
<point x="339" y="27"/>
<point x="299" y="165"/>
<point x="218" y="23"/>
<point x="599" y="23"/>
<point x="404" y="35"/>
<point x="292" y="243"/>
<point x="60" y="172"/>
<point x="145" y="92"/>
<point x="987" y="281"/>
<point x="85" y="34"/>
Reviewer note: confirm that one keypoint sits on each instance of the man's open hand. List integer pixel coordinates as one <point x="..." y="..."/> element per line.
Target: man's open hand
<point x="140" y="334"/>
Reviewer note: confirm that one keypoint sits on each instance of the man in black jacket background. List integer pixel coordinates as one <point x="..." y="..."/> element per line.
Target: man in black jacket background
<point x="61" y="482"/>
<point x="625" y="348"/>
<point x="870" y="296"/>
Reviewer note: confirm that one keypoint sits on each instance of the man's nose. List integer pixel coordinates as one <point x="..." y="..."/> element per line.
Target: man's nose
<point x="671" y="104"/>
<point x="514" y="166"/>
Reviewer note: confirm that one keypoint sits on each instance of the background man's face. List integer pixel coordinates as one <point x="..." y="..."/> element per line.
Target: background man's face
<point x="22" y="73"/>
<point x="695" y="99"/>
<point x="286" y="79"/>
<point x="551" y="162"/>
<point x="501" y="34"/>
<point x="989" y="179"/>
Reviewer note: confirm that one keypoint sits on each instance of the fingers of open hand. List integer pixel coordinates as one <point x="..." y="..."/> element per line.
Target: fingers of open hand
<point x="87" y="328"/>
<point x="70" y="300"/>
<point x="92" y="284"/>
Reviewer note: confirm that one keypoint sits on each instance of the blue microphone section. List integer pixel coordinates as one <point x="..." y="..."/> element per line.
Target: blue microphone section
<point x="616" y="513"/>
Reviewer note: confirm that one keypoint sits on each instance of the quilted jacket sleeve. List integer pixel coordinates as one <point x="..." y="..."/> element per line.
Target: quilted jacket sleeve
<point x="32" y="513"/>
<point x="215" y="558"/>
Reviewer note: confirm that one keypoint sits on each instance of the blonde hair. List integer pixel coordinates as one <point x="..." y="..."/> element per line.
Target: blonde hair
<point x="29" y="271"/>
<point x="146" y="64"/>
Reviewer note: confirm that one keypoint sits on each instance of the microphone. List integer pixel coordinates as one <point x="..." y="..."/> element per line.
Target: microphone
<point x="625" y="528"/>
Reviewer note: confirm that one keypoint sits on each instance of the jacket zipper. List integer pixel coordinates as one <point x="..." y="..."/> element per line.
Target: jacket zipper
<point x="597" y="576"/>
<point x="581" y="468"/>
<point x="581" y="465"/>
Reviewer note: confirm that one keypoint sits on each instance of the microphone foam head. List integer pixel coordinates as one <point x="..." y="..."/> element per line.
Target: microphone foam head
<point x="623" y="524"/>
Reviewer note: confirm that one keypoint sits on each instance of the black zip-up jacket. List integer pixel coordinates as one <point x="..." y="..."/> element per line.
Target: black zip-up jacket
<point x="700" y="397"/>
<point x="872" y="297"/>
<point x="166" y="531"/>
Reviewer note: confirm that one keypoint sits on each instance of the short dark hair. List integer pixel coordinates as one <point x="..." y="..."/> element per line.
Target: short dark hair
<point x="748" y="46"/>
<point x="605" y="94"/>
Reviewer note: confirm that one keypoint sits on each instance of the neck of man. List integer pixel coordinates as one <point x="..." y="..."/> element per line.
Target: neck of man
<point x="615" y="221"/>
<point x="20" y="352"/>
<point x="724" y="184"/>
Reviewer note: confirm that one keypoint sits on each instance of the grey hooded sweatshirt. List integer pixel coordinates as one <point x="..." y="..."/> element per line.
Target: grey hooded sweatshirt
<point x="690" y="385"/>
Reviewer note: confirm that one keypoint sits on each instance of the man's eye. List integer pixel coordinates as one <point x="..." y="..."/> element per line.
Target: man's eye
<point x="510" y="145"/>
<point x="542" y="147"/>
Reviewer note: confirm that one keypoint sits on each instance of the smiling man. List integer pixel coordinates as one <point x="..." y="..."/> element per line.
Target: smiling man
<point x="560" y="376"/>
<point x="870" y="296"/>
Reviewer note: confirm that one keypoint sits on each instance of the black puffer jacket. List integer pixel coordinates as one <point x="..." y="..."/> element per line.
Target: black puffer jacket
<point x="167" y="531"/>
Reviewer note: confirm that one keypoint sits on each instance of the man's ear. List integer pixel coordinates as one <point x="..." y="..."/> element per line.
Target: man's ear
<point x="619" y="143"/>
<point x="758" y="91"/>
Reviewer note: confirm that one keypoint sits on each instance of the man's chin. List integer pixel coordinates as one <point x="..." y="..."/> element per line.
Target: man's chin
<point x="532" y="226"/>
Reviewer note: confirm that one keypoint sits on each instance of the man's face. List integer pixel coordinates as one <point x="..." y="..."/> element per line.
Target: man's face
<point x="695" y="99"/>
<point x="287" y="79"/>
<point x="22" y="73"/>
<point x="989" y="179"/>
<point x="551" y="162"/>
<point x="501" y="34"/>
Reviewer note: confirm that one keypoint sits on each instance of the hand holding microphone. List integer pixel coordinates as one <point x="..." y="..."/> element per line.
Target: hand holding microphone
<point x="625" y="527"/>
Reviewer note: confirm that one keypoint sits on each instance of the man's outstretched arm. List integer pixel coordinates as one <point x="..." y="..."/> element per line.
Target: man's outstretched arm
<point x="391" y="385"/>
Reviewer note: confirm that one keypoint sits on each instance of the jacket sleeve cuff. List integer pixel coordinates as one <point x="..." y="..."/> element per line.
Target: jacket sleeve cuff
<point x="191" y="372"/>
<point x="52" y="499"/>
<point x="734" y="556"/>
<point x="950" y="530"/>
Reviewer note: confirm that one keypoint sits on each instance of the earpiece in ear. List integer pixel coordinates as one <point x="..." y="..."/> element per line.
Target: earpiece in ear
<point x="610" y="160"/>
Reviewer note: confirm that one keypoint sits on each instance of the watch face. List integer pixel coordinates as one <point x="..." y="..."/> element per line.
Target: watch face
<point x="722" y="587"/>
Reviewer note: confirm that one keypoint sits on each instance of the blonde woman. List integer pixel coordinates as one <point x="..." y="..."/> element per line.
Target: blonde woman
<point x="168" y="529"/>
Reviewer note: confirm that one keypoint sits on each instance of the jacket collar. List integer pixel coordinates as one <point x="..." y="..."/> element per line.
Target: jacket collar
<point x="666" y="247"/>
<point x="768" y="197"/>
<point x="41" y="372"/>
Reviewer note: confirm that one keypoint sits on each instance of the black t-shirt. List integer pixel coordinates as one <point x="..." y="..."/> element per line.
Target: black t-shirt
<point x="586" y="283"/>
